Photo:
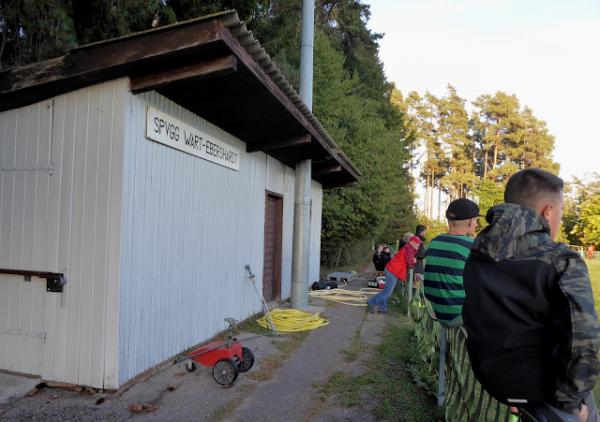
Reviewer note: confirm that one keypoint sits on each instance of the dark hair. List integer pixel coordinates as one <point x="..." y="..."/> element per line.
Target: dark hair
<point x="526" y="187"/>
<point x="420" y="229"/>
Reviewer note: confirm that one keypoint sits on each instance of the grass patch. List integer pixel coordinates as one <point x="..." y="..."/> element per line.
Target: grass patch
<point x="270" y="364"/>
<point x="397" y="363"/>
<point x="397" y="303"/>
<point x="351" y="390"/>
<point x="388" y="384"/>
<point x="292" y="342"/>
<point x="251" y="326"/>
<point x="225" y="411"/>
<point x="594" y="269"/>
<point x="352" y="352"/>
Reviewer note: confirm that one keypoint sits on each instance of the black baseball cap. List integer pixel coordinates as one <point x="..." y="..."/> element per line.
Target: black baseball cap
<point x="462" y="209"/>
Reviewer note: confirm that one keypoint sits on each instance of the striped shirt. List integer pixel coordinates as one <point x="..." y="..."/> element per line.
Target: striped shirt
<point x="444" y="264"/>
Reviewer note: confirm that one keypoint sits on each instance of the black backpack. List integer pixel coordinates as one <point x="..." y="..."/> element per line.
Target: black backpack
<point x="324" y="285"/>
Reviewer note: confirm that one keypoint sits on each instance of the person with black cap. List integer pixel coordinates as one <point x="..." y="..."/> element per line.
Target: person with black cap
<point x="445" y="260"/>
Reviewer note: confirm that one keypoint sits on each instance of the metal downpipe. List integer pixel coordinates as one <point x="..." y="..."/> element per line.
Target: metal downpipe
<point x="302" y="187"/>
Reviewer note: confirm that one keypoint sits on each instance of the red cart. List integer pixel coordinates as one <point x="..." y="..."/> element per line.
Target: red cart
<point x="227" y="358"/>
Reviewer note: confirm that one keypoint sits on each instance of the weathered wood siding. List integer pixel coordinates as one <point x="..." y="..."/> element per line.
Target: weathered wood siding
<point x="64" y="220"/>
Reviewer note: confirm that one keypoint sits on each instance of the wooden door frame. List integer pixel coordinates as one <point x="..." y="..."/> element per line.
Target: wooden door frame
<point x="277" y="257"/>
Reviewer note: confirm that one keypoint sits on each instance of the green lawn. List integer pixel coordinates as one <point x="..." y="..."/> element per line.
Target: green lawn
<point x="594" y="268"/>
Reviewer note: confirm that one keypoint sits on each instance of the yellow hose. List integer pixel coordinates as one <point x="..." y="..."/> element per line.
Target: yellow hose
<point x="292" y="320"/>
<point x="347" y="297"/>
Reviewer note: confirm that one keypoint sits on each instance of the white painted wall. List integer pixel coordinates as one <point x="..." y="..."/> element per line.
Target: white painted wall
<point x="315" y="232"/>
<point x="189" y="227"/>
<point x="67" y="222"/>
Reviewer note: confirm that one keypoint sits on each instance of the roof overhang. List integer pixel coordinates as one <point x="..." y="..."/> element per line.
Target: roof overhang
<point x="213" y="67"/>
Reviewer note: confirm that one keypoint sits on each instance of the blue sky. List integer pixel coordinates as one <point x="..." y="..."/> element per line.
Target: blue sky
<point x="545" y="52"/>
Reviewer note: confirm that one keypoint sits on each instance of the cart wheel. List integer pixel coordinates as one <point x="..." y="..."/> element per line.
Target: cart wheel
<point x="190" y="366"/>
<point x="225" y="372"/>
<point x="247" y="359"/>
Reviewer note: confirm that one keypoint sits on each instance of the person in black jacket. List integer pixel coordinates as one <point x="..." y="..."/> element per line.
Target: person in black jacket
<point x="420" y="231"/>
<point x="533" y="334"/>
<point x="382" y="256"/>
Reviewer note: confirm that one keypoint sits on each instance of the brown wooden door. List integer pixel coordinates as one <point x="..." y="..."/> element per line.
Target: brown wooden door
<point x="272" y="257"/>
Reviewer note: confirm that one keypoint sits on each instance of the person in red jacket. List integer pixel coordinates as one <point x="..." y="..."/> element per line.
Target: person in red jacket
<point x="395" y="270"/>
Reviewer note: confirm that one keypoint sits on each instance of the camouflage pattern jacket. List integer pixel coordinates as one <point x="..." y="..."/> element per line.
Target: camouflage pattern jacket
<point x="533" y="333"/>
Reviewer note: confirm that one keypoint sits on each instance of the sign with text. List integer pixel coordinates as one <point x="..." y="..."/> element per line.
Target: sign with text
<point x="168" y="130"/>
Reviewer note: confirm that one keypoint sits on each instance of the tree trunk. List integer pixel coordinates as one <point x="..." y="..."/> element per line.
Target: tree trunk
<point x="485" y="164"/>
<point x="431" y="195"/>
<point x="495" y="156"/>
<point x="439" y="204"/>
<point x="429" y="187"/>
<point x="426" y="201"/>
<point x="339" y="256"/>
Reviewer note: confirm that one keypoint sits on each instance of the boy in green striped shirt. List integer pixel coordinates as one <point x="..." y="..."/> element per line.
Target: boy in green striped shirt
<point x="445" y="260"/>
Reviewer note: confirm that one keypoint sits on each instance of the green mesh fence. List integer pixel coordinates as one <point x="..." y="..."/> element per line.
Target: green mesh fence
<point x="464" y="398"/>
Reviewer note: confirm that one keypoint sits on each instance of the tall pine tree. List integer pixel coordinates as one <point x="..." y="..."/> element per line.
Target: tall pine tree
<point x="453" y="131"/>
<point x="474" y="157"/>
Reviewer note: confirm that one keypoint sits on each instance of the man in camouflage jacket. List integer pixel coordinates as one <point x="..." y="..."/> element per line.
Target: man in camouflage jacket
<point x="533" y="334"/>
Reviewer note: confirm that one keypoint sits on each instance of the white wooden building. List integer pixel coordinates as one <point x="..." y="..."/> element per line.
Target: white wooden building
<point x="144" y="173"/>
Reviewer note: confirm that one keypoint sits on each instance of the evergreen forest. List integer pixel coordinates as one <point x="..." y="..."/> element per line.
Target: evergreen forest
<point x="461" y="149"/>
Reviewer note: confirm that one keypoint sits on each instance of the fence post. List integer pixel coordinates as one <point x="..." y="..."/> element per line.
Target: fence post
<point x="442" y="368"/>
<point x="410" y="289"/>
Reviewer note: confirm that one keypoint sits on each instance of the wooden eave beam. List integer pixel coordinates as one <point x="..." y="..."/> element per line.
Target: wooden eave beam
<point x="333" y="167"/>
<point x="102" y="61"/>
<point x="295" y="141"/>
<point x="186" y="73"/>
<point x="338" y="184"/>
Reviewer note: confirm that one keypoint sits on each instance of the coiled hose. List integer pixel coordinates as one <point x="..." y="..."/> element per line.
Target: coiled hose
<point x="347" y="297"/>
<point x="293" y="320"/>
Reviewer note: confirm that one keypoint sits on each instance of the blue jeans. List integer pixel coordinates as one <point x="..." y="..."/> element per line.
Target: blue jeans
<point x="380" y="299"/>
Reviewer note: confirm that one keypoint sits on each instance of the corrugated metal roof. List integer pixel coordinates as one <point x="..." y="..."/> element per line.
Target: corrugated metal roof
<point x="238" y="28"/>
